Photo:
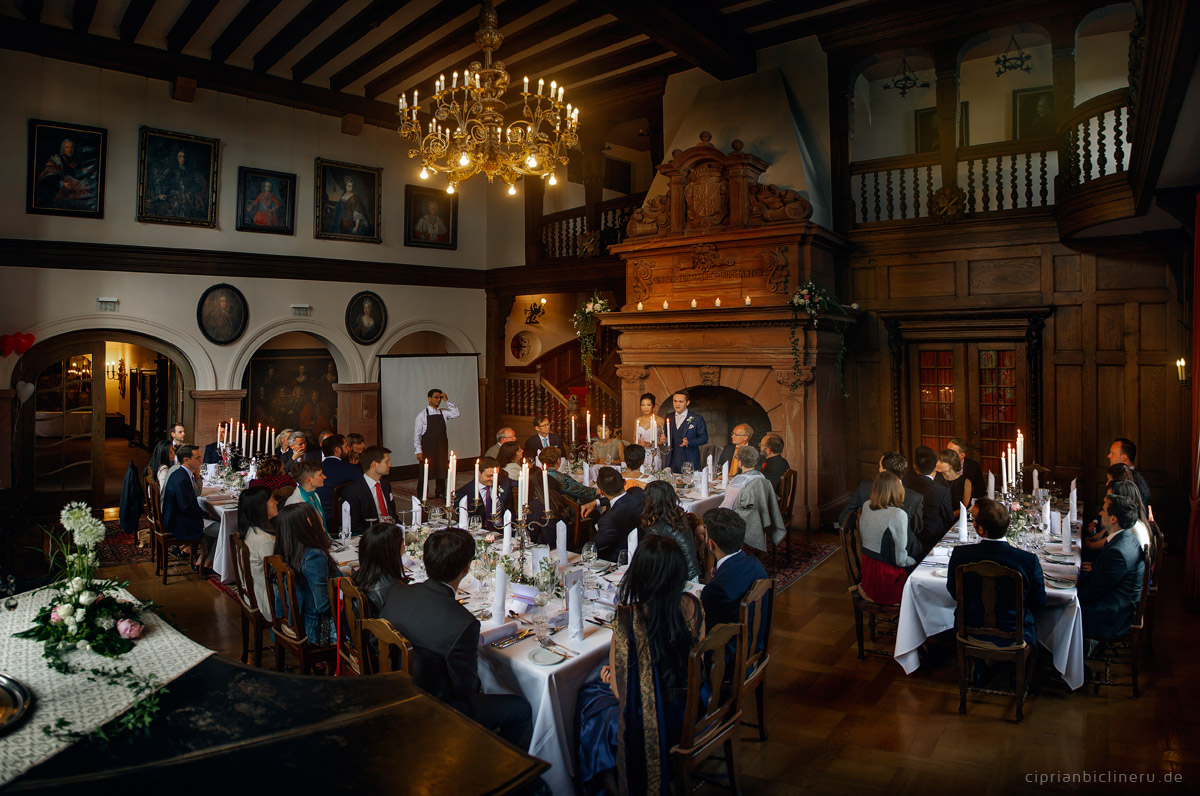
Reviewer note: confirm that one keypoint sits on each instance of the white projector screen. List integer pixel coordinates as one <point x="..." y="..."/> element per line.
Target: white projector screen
<point x="404" y="385"/>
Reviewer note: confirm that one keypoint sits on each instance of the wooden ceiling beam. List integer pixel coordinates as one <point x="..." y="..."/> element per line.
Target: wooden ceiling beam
<point x="628" y="95"/>
<point x="609" y="62"/>
<point x="539" y="64"/>
<point x="81" y="15"/>
<point x="695" y="31"/>
<point x="365" y="21"/>
<point x="425" y="25"/>
<point x="773" y="11"/>
<point x="188" y="23"/>
<point x="135" y="16"/>
<point x="410" y="69"/>
<point x="304" y="23"/>
<point x="249" y="18"/>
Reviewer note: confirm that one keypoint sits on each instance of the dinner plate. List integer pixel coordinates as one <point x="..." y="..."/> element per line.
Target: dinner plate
<point x="941" y="572"/>
<point x="544" y="657"/>
<point x="1059" y="558"/>
<point x="15" y="701"/>
<point x="1054" y="583"/>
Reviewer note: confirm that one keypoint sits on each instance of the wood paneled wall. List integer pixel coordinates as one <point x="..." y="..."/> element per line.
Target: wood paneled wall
<point x="1115" y="327"/>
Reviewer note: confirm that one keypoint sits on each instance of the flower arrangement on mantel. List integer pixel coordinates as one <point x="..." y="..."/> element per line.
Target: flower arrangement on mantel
<point x="810" y="299"/>
<point x="584" y="321"/>
<point x="85" y="614"/>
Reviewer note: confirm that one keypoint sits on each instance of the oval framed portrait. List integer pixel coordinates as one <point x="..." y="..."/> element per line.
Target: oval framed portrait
<point x="366" y="317"/>
<point x="222" y="314"/>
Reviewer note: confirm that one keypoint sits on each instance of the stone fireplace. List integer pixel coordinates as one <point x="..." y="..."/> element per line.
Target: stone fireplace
<point x="719" y="234"/>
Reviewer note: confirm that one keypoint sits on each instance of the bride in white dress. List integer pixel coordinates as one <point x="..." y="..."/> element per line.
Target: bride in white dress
<point x="648" y="430"/>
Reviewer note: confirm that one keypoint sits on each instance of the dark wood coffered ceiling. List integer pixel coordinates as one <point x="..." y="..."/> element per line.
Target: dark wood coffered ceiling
<point x="354" y="56"/>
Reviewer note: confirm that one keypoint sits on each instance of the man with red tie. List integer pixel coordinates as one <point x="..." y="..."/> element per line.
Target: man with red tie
<point x="370" y="497"/>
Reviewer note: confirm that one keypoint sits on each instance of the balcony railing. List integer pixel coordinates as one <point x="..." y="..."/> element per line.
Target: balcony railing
<point x="1008" y="175"/>
<point x="1095" y="139"/>
<point x="896" y="188"/>
<point x="561" y="231"/>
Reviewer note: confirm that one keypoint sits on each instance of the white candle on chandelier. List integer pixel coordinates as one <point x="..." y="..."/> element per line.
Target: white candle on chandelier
<point x="561" y="90"/>
<point x="454" y="81"/>
<point x="541" y="83"/>
<point x="545" y="485"/>
<point x="526" y="89"/>
<point x="476" y="81"/>
<point x="553" y="88"/>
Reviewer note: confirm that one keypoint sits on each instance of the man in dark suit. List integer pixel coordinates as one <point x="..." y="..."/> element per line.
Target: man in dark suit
<point x="622" y="513"/>
<point x="370" y="495"/>
<point x="991" y="520"/>
<point x="337" y="471"/>
<point x="489" y="494"/>
<point x="1123" y="451"/>
<point x="734" y="573"/>
<point x="914" y="505"/>
<point x="212" y="451"/>
<point x="740" y="436"/>
<point x="182" y="515"/>
<point x="688" y="433"/>
<point x="542" y="439"/>
<point x="1110" y="587"/>
<point x="773" y="464"/>
<point x="445" y="639"/>
<point x="937" y="512"/>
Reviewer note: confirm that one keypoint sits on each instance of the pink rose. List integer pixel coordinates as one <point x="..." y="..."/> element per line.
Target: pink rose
<point x="127" y="628"/>
<point x="54" y="617"/>
<point x="1014" y="507"/>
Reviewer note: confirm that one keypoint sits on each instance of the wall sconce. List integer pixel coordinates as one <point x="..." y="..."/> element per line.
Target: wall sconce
<point x="115" y="371"/>
<point x="536" y="310"/>
<point x="1181" y="367"/>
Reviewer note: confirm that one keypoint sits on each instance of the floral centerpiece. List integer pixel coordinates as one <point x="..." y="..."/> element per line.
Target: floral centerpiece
<point x="584" y="321"/>
<point x="811" y="300"/>
<point x="1023" y="516"/>
<point x="546" y="577"/>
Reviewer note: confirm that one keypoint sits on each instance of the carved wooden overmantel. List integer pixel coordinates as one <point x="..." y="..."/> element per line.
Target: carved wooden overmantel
<point x="718" y="233"/>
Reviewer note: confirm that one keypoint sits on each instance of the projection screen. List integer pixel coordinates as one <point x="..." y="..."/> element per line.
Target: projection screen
<point x="404" y="384"/>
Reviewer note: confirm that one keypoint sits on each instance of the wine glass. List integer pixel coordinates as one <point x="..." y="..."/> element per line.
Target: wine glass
<point x="622" y="559"/>
<point x="589" y="554"/>
<point x="475" y="524"/>
<point x="483" y="574"/>
<point x="541" y="620"/>
<point x="688" y="471"/>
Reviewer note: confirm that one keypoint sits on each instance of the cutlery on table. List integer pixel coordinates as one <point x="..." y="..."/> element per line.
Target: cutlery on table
<point x="552" y="647"/>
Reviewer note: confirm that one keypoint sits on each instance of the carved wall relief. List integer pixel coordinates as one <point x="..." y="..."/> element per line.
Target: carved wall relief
<point x="642" y="271"/>
<point x="772" y="203"/>
<point x="651" y="218"/>
<point x="775" y="261"/>
<point x="707" y="196"/>
<point x="710" y="375"/>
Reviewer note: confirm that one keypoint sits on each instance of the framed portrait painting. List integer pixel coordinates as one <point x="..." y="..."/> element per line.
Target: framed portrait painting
<point x="926" y="128"/>
<point x="366" y="317"/>
<point x="347" y="204"/>
<point x="66" y="170"/>
<point x="222" y="314"/>
<point x="430" y="218"/>
<point x="266" y="201"/>
<point x="177" y="178"/>
<point x="1033" y="113"/>
<point x="293" y="388"/>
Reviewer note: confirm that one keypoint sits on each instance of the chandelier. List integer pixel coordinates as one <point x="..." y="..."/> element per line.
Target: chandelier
<point x="1012" y="63"/>
<point x="468" y="134"/>
<point x="905" y="79"/>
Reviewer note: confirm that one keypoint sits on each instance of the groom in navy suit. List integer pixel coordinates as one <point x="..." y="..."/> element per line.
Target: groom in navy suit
<point x="688" y="433"/>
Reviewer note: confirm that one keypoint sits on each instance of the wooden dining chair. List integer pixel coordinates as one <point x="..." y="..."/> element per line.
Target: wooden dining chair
<point x="247" y="601"/>
<point x="1154" y="574"/>
<point x="386" y="639"/>
<point x="862" y="602"/>
<point x="288" y="624"/>
<point x="755" y="614"/>
<point x="786" y="493"/>
<point x="1126" y="649"/>
<point x="988" y="641"/>
<point x="710" y="724"/>
<point x="355" y="608"/>
<point x="162" y="536"/>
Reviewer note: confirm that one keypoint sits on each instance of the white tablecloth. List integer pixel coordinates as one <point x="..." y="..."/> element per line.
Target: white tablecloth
<point x="162" y="650"/>
<point x="228" y="516"/>
<point x="926" y="609"/>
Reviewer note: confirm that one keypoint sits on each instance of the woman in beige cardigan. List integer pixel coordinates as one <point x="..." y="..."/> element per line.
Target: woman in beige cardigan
<point x="256" y="523"/>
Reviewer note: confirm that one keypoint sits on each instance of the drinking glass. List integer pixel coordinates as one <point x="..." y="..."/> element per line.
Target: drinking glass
<point x="589" y="554"/>
<point x="541" y="618"/>
<point x="622" y="559"/>
<point x="475" y="524"/>
<point x="483" y="574"/>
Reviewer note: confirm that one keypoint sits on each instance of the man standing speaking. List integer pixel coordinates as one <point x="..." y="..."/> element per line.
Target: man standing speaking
<point x="430" y="442"/>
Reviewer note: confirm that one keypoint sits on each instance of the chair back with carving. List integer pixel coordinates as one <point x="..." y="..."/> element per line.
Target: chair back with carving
<point x="154" y="504"/>
<point x="851" y="552"/>
<point x="787" y="495"/>
<point x="1139" y="617"/>
<point x="355" y="609"/>
<point x="706" y="720"/>
<point x="387" y="639"/>
<point x="281" y="587"/>
<point x="755" y="613"/>
<point x="243" y="581"/>
<point x="700" y="539"/>
<point x="993" y="580"/>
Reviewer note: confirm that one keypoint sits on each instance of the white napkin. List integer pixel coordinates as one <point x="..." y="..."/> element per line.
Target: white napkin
<point x="587" y="474"/>
<point x="464" y="519"/>
<point x="252" y="473"/>
<point x="416" y="504"/>
<point x="575" y="613"/>
<point x="537" y="554"/>
<point x="991" y="485"/>
<point x="1071" y="509"/>
<point x="1055" y="523"/>
<point x="346" y="519"/>
<point x="1035" y="480"/>
<point x="490" y="634"/>
<point x="500" y="597"/>
<point x="520" y="598"/>
<point x="725" y="476"/>
<point x="708" y="471"/>
<point x="507" y="548"/>
<point x="561" y="542"/>
<point x="702" y="478"/>
<point x="632" y="543"/>
<point x="1066" y="537"/>
<point x="1045" y="511"/>
<point x="962" y="525"/>
<point x="1060" y="570"/>
<point x="212" y="470"/>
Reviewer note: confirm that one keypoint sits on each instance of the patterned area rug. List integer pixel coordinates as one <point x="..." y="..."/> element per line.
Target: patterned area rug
<point x="805" y="558"/>
<point x="120" y="547"/>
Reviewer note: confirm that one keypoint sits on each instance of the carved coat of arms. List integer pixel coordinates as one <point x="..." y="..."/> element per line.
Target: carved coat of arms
<point x="707" y="196"/>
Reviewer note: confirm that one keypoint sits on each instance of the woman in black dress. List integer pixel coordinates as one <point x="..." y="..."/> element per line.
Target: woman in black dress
<point x="950" y="474"/>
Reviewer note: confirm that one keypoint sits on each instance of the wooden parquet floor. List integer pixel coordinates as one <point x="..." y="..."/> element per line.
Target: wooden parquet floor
<point x="838" y="725"/>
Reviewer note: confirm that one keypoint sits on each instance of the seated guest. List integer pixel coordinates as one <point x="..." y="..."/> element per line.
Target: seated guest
<point x="635" y="457"/>
<point x="734" y="572"/>
<point x="550" y="458"/>
<point x="309" y="478"/>
<point x="622" y="513"/>
<point x="282" y="450"/>
<point x="772" y="463"/>
<point x="1123" y="451"/>
<point x="337" y="471"/>
<point x="212" y="451"/>
<point x="304" y="546"/>
<point x="751" y="495"/>
<point x="662" y="516"/>
<point x="297" y="452"/>
<point x="950" y="475"/>
<point x="381" y="562"/>
<point x="257" y="509"/>
<point x="991" y="521"/>
<point x="510" y="459"/>
<point x="502" y="436"/>
<point x="181" y="512"/>
<point x="542" y="438"/>
<point x="160" y="463"/>
<point x="1097" y="536"/>
<point x="938" y="513"/>
<point x="1109" y="588"/>
<point x="970" y="468"/>
<point x="895" y="463"/>
<point x="370" y="497"/>
<point x="324" y="435"/>
<point x="740" y="436"/>
<point x="271" y="475"/>
<point x="494" y="499"/>
<point x="606" y="450"/>
<point x="355" y="445"/>
<point x="662" y="627"/>
<point x="883" y="534"/>
<point x="445" y="639"/>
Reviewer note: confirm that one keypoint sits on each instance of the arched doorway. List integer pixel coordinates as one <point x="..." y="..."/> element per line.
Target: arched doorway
<point x="74" y="442"/>
<point x="722" y="408"/>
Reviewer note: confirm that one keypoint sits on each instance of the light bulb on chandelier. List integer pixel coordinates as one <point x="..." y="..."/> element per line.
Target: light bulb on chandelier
<point x="512" y="190"/>
<point x="450" y="188"/>
<point x="424" y="174"/>
<point x="464" y="160"/>
<point x="553" y="179"/>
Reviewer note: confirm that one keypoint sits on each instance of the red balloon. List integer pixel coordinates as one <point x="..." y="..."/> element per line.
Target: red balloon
<point x="7" y="344"/>
<point x="24" y="341"/>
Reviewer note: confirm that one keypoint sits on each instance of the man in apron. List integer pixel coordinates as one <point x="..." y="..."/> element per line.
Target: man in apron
<point x="431" y="444"/>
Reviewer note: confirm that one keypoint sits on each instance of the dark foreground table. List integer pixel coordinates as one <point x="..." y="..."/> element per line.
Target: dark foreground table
<point x="229" y="728"/>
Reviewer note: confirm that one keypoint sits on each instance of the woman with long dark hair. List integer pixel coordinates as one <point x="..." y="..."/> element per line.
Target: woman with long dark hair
<point x="161" y="461"/>
<point x="658" y="621"/>
<point x="257" y="509"/>
<point x="381" y="562"/>
<point x="662" y="515"/>
<point x="303" y="544"/>
<point x="647" y="430"/>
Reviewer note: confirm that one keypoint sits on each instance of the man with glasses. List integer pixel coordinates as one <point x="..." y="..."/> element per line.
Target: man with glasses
<point x="541" y="439"/>
<point x="741" y="435"/>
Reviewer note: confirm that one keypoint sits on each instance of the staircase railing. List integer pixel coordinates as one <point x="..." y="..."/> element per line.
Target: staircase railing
<point x="1095" y="139"/>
